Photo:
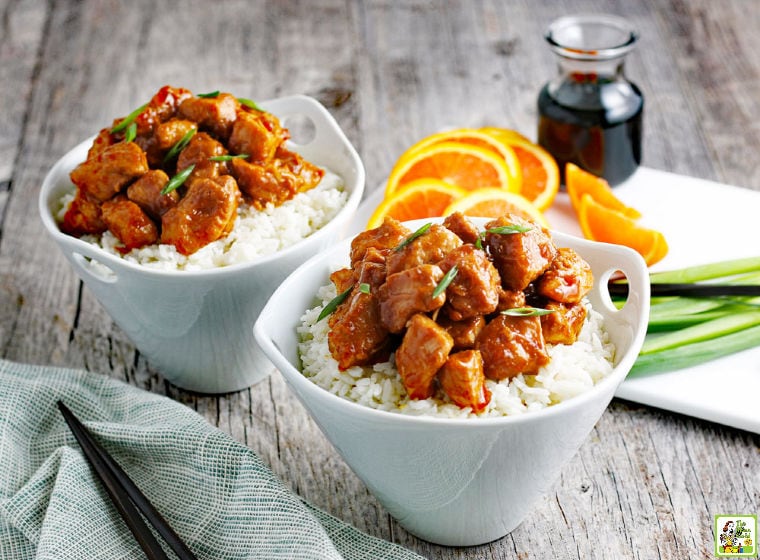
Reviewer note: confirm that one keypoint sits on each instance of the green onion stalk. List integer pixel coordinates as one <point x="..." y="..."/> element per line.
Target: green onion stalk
<point x="684" y="332"/>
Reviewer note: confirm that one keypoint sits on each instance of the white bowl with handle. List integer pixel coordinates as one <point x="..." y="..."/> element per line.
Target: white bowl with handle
<point x="194" y="326"/>
<point x="467" y="481"/>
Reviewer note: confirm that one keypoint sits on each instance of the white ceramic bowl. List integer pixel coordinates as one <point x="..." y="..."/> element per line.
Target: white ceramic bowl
<point x="458" y="482"/>
<point x="194" y="326"/>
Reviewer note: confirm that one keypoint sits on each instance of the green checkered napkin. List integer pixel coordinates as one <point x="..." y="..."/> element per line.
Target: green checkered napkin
<point x="216" y="493"/>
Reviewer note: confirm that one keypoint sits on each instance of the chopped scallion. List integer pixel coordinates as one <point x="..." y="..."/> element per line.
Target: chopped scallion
<point x="180" y="145"/>
<point x="501" y="230"/>
<point x="250" y="104"/>
<point x="333" y="304"/>
<point x="421" y="231"/>
<point x="176" y="181"/>
<point x="129" y="119"/>
<point x="364" y="288"/>
<point x="526" y="312"/>
<point x="510" y="229"/>
<point x="228" y="157"/>
<point x="131" y="133"/>
<point x="210" y="94"/>
<point x="445" y="281"/>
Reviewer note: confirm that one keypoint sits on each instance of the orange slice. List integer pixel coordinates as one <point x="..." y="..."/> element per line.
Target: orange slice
<point x="463" y="165"/>
<point x="540" y="174"/>
<point x="580" y="182"/>
<point x="492" y="203"/>
<point x="422" y="198"/>
<point x="503" y="133"/>
<point x="473" y="137"/>
<point x="600" y="223"/>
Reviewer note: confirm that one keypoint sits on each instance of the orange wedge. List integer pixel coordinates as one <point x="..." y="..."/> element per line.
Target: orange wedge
<point x="540" y="174"/>
<point x="580" y="182"/>
<point x="473" y="137"/>
<point x="463" y="165"/>
<point x="600" y="223"/>
<point x="492" y="203"/>
<point x="422" y="198"/>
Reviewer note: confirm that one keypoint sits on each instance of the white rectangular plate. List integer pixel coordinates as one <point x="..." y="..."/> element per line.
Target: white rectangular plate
<point x="703" y="221"/>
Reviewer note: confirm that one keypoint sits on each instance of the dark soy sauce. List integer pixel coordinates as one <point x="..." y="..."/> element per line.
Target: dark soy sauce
<point x="590" y="114"/>
<point x="595" y="123"/>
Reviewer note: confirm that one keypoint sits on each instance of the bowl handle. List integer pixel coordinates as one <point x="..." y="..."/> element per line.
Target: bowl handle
<point x="326" y="129"/>
<point x="635" y="311"/>
<point x="89" y="261"/>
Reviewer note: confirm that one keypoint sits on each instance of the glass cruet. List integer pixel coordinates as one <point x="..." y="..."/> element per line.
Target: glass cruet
<point x="590" y="114"/>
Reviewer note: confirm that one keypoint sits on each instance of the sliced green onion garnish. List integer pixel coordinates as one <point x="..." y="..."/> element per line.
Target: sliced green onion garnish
<point x="506" y="230"/>
<point x="209" y="94"/>
<point x="129" y="119"/>
<point x="526" y="312"/>
<point x="180" y="145"/>
<point x="412" y="237"/>
<point x="250" y="104"/>
<point x="131" y="133"/>
<point x="501" y="230"/>
<point x="333" y="304"/>
<point x="228" y="157"/>
<point x="364" y="288"/>
<point x="445" y="281"/>
<point x="176" y="181"/>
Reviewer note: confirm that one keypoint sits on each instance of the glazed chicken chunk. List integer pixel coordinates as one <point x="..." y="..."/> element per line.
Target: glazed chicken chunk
<point x="127" y="221"/>
<point x="168" y="133"/>
<point x="475" y="288"/>
<point x="213" y="114"/>
<point x="387" y="236"/>
<point x="277" y="181"/>
<point x="357" y="336"/>
<point x="112" y="169"/>
<point x="462" y="227"/>
<point x="83" y="216"/>
<point x="256" y="135"/>
<point x="409" y="292"/>
<point x="568" y="279"/>
<point x="428" y="248"/>
<point x="146" y="193"/>
<point x="197" y="152"/>
<point x="565" y="324"/>
<point x="424" y="349"/>
<point x="203" y="215"/>
<point x="511" y="346"/>
<point x="161" y="107"/>
<point x="462" y="379"/>
<point x="465" y="332"/>
<point x="520" y="258"/>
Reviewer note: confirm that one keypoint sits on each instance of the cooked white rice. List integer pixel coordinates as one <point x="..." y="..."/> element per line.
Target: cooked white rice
<point x="256" y="233"/>
<point x="573" y="369"/>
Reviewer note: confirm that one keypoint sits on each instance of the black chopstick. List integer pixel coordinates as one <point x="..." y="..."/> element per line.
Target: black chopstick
<point x="691" y="290"/>
<point x="126" y="496"/>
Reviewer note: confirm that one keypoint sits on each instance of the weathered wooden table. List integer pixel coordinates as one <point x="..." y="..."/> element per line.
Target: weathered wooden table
<point x="646" y="483"/>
